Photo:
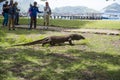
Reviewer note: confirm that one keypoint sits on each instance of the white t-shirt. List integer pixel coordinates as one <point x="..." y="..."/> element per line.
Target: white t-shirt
<point x="46" y="10"/>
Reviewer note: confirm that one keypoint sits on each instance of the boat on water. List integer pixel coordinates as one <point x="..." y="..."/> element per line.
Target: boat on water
<point x="111" y="16"/>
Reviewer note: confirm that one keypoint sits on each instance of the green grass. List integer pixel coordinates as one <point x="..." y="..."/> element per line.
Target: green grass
<point x="96" y="58"/>
<point x="95" y="24"/>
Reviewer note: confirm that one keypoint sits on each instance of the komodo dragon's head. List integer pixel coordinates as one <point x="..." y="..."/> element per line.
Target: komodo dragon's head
<point x="76" y="36"/>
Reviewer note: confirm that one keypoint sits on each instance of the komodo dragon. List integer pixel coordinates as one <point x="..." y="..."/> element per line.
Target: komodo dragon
<point x="52" y="40"/>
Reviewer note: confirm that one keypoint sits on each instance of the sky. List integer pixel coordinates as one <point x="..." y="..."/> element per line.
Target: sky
<point x="94" y="4"/>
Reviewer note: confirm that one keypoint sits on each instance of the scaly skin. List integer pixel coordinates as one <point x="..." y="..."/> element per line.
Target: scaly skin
<point x="52" y="40"/>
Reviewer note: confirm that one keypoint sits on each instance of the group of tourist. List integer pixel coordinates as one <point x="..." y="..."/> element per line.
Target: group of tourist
<point x="11" y="14"/>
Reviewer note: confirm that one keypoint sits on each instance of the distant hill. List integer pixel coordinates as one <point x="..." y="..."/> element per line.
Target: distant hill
<point x="23" y="5"/>
<point x="73" y="10"/>
<point x="113" y="8"/>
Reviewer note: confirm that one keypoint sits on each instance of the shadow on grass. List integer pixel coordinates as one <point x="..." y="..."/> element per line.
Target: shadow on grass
<point x="32" y="64"/>
<point x="61" y="23"/>
<point x="19" y="31"/>
<point x="2" y="34"/>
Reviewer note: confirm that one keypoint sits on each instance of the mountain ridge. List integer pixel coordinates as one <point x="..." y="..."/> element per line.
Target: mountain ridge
<point x="113" y="8"/>
<point x="74" y="9"/>
<point x="24" y="6"/>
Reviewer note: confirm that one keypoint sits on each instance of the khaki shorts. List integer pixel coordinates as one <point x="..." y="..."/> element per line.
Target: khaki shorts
<point x="46" y="18"/>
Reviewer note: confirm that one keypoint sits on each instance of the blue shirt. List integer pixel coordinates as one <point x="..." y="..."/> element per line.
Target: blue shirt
<point x="34" y="10"/>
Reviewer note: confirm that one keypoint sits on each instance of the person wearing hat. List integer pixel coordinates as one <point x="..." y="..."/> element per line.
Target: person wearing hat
<point x="5" y="13"/>
<point x="34" y="10"/>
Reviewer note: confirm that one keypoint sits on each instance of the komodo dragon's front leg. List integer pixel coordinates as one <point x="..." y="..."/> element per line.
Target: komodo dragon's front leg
<point x="70" y="41"/>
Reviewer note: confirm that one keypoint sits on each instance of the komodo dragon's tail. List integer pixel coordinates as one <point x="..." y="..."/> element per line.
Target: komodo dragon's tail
<point x="31" y="43"/>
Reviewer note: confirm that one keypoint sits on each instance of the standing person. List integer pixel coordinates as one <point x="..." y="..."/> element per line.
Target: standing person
<point x="34" y="10"/>
<point x="11" y="15"/>
<point x="5" y="13"/>
<point x="29" y="15"/>
<point x="17" y="14"/>
<point x="47" y="13"/>
<point x="29" y="11"/>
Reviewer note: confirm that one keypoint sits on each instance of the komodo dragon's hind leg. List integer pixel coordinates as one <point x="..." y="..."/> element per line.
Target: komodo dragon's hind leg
<point x="46" y="41"/>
